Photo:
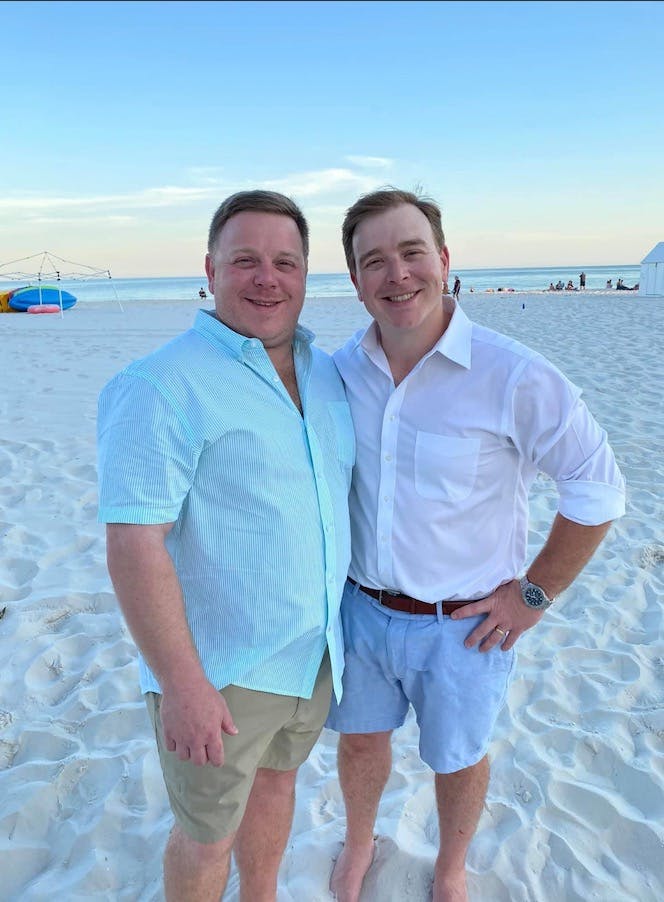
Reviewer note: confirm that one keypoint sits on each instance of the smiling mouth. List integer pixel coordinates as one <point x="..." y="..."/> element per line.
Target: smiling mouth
<point x="400" y="298"/>
<point x="260" y="303"/>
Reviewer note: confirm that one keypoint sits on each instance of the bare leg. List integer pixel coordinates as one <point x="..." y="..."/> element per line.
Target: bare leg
<point x="460" y="800"/>
<point x="195" y="871"/>
<point x="263" y="834"/>
<point x="365" y="762"/>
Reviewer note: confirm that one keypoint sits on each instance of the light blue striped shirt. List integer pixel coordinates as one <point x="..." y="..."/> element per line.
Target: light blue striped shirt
<point x="203" y="434"/>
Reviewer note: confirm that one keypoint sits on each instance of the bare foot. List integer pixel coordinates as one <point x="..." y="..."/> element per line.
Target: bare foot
<point x="349" y="871"/>
<point x="452" y="888"/>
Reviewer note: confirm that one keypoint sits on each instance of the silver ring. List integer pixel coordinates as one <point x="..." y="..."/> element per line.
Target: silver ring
<point x="498" y="630"/>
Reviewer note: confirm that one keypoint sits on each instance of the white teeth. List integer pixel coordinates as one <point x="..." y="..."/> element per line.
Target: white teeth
<point x="398" y="298"/>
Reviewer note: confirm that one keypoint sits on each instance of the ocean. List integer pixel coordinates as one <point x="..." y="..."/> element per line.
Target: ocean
<point x="339" y="284"/>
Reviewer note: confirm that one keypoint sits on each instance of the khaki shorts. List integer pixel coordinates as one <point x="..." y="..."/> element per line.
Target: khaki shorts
<point x="275" y="731"/>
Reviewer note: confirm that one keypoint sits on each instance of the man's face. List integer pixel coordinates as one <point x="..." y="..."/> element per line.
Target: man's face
<point x="400" y="272"/>
<point x="257" y="274"/>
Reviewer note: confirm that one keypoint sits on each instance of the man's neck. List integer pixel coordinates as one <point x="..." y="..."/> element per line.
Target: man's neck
<point x="404" y="350"/>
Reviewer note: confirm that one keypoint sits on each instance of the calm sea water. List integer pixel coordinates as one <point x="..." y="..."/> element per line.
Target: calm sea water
<point x="336" y="284"/>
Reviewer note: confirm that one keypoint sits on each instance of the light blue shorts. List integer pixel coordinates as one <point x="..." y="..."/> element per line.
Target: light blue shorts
<point x="394" y="660"/>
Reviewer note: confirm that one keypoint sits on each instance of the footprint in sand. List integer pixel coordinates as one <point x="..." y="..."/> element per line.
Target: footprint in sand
<point x="651" y="555"/>
<point x="18" y="571"/>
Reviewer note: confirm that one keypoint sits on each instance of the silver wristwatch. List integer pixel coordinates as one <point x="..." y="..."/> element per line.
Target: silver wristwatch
<point x="534" y="596"/>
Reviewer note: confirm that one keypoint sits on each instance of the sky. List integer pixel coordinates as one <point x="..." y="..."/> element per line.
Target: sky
<point x="537" y="127"/>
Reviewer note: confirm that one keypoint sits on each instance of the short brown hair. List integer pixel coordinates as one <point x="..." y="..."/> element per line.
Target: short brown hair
<point x="385" y="199"/>
<point x="260" y="202"/>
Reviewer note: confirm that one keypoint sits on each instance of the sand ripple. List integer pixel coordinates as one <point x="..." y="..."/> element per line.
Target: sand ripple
<point x="575" y="809"/>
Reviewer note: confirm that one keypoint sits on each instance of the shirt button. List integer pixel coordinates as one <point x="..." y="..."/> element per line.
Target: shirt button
<point x="388" y="457"/>
<point x="392" y="418"/>
<point x="386" y="497"/>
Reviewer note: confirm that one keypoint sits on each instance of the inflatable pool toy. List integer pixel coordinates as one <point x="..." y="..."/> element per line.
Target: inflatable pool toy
<point x="4" y="301"/>
<point x="43" y="308"/>
<point x="38" y="295"/>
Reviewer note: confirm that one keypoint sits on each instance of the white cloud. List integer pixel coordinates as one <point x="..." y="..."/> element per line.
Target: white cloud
<point x="322" y="182"/>
<point x="166" y="196"/>
<point x="370" y="162"/>
<point x="82" y="220"/>
<point x="332" y="184"/>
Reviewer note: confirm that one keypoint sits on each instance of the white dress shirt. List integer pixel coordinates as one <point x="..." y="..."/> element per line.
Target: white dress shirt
<point x="445" y="460"/>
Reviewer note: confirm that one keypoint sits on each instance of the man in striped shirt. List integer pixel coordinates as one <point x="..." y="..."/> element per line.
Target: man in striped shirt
<point x="224" y="463"/>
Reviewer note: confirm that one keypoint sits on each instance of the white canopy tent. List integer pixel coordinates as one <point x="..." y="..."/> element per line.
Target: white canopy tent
<point x="47" y="268"/>
<point x="651" y="283"/>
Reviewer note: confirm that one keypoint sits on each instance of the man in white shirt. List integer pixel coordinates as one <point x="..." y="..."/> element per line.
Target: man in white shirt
<point x="453" y="422"/>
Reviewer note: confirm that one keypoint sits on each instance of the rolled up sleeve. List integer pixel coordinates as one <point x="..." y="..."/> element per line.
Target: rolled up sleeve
<point x="590" y="486"/>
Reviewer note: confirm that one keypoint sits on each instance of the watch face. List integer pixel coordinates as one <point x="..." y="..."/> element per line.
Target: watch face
<point x="534" y="597"/>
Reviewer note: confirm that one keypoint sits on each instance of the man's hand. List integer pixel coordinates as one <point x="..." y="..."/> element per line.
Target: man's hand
<point x="193" y="719"/>
<point x="508" y="617"/>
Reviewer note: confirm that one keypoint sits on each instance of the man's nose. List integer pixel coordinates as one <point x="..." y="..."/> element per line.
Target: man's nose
<point x="397" y="270"/>
<point x="264" y="274"/>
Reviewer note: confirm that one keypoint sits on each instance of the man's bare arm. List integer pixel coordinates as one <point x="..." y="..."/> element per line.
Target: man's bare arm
<point x="567" y="550"/>
<point x="193" y="712"/>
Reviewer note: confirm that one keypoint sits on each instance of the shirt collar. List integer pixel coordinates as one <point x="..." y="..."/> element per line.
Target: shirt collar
<point x="455" y="342"/>
<point x="237" y="345"/>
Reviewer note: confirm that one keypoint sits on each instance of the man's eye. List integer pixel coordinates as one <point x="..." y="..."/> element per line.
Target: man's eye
<point x="373" y="263"/>
<point x="286" y="264"/>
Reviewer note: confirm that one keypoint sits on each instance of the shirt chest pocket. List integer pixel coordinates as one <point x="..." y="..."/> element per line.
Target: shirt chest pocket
<point x="445" y="466"/>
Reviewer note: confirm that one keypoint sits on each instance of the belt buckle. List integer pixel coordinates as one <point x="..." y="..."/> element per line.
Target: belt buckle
<point x="389" y="592"/>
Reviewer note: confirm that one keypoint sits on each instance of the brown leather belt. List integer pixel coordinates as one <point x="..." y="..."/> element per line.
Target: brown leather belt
<point x="398" y="602"/>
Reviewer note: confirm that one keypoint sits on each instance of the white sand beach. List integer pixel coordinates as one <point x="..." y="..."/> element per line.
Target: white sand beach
<point x="575" y="808"/>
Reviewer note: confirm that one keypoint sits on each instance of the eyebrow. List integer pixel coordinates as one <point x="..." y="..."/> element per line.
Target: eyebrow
<point x="252" y="250"/>
<point x="402" y="245"/>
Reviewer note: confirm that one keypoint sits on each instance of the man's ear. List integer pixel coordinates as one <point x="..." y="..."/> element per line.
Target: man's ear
<point x="353" y="279"/>
<point x="445" y="262"/>
<point x="209" y="272"/>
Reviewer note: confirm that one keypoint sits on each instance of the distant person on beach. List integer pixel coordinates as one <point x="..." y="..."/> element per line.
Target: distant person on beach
<point x="453" y="422"/>
<point x="582" y="281"/>
<point x="570" y="286"/>
<point x="559" y="285"/>
<point x="225" y="460"/>
<point x="202" y="293"/>
<point x="552" y="287"/>
<point x="457" y="288"/>
<point x="609" y="284"/>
